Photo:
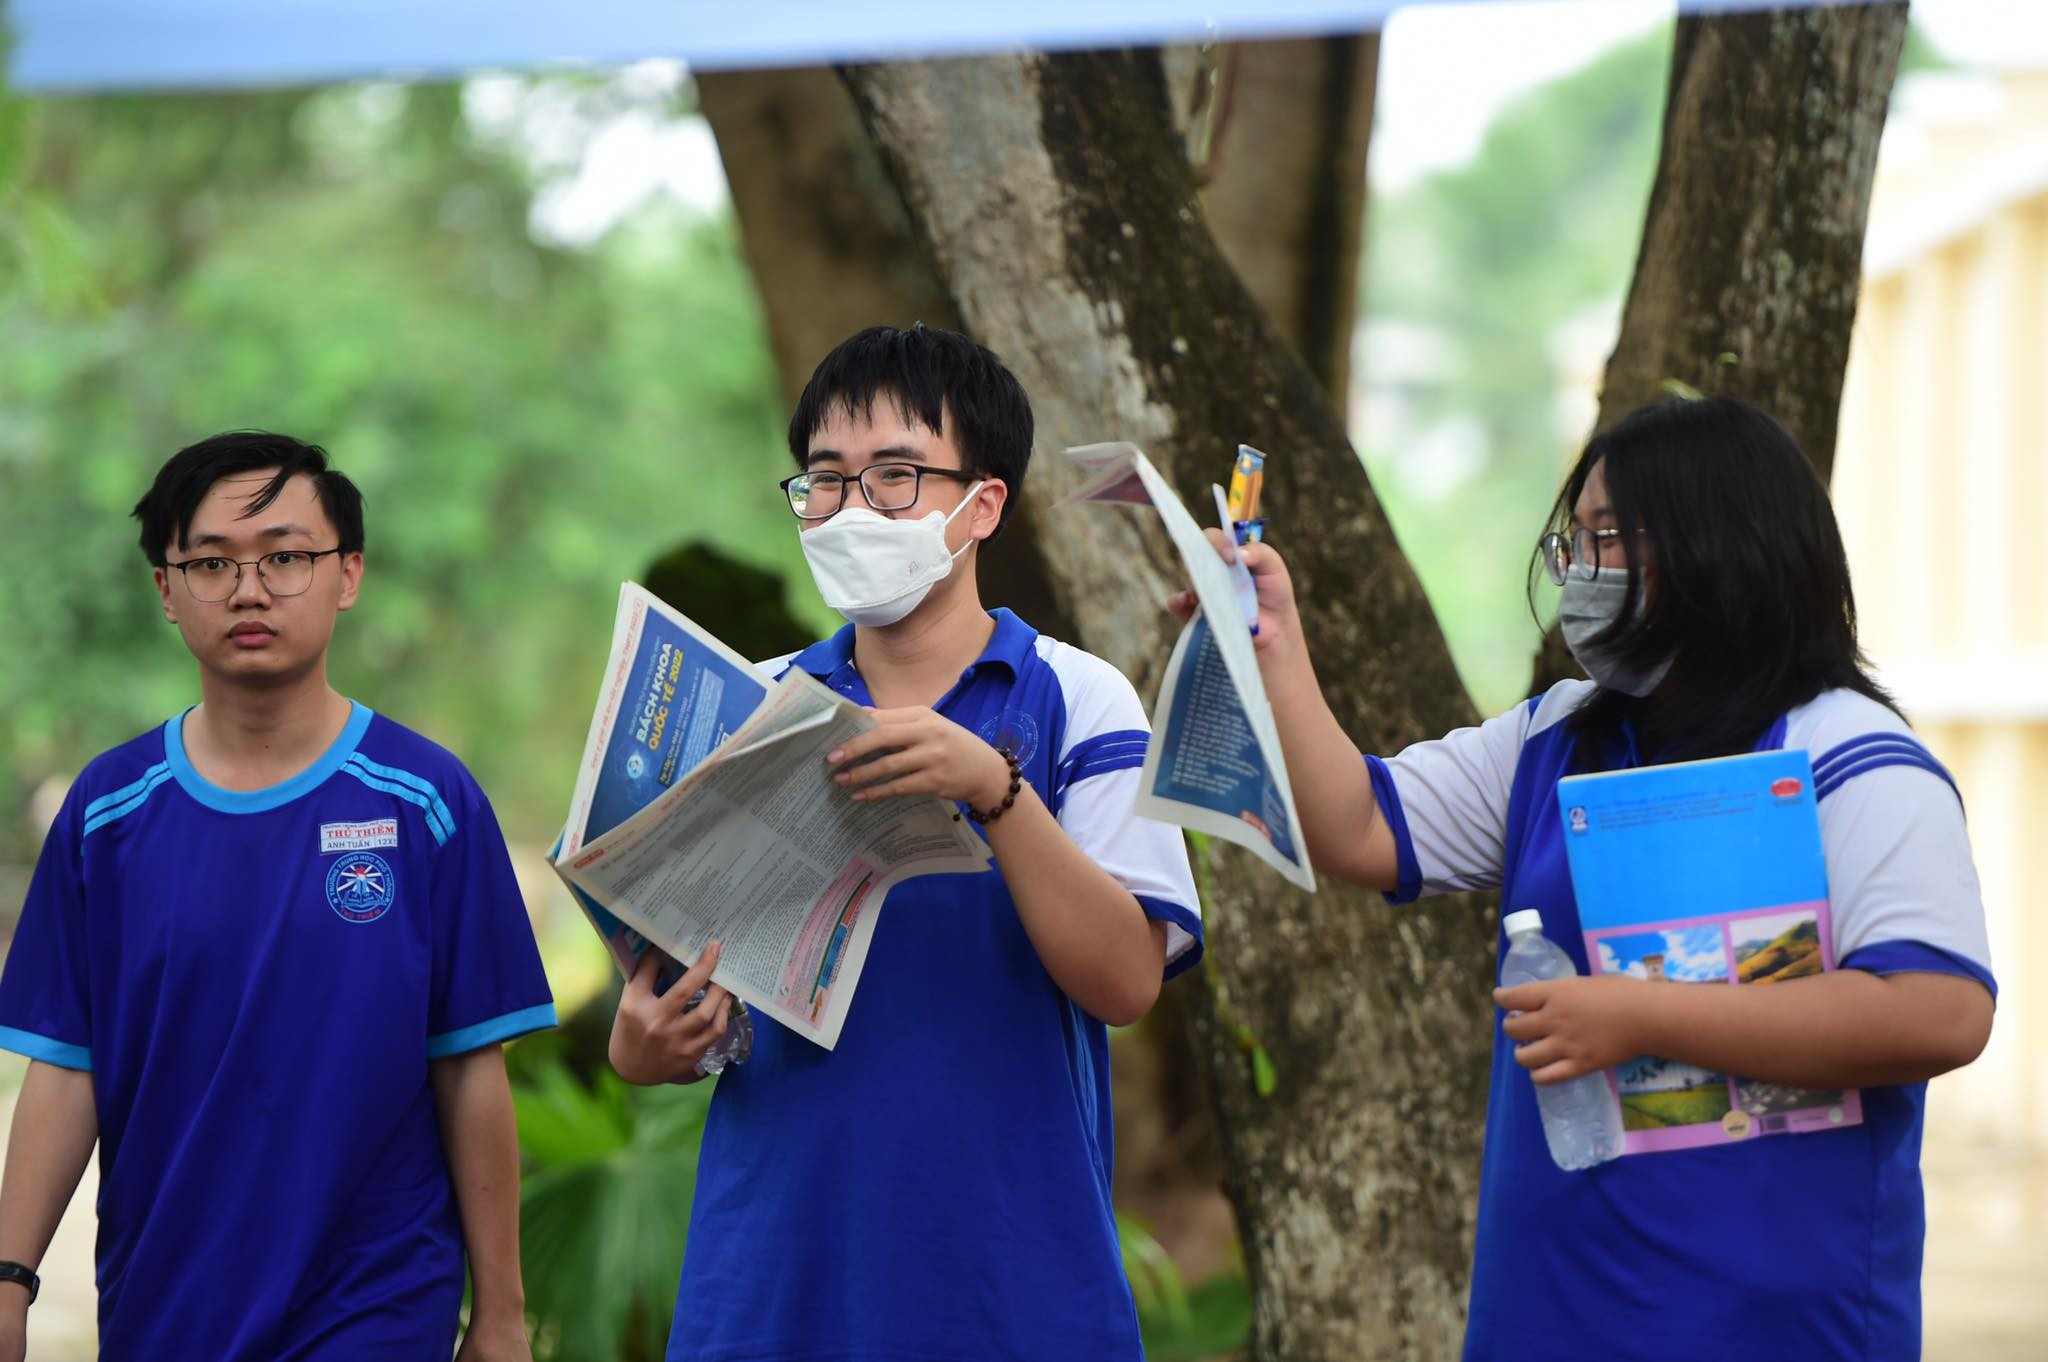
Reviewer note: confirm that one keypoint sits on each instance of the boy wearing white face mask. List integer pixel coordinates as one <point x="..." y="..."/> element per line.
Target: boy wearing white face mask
<point x="938" y="1184"/>
<point x="1706" y="594"/>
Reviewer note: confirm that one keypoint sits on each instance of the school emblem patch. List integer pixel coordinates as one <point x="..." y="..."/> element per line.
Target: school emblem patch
<point x="360" y="886"/>
<point x="1014" y="729"/>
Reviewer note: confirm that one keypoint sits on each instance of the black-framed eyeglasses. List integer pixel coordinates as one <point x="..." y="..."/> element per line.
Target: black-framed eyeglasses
<point x="884" y="486"/>
<point x="1576" y="554"/>
<point x="287" y="572"/>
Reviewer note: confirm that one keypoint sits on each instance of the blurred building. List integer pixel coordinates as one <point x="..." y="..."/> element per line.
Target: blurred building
<point x="1941" y="486"/>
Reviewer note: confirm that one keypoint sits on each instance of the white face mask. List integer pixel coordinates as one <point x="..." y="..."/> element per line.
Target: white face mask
<point x="875" y="570"/>
<point x="1585" y="612"/>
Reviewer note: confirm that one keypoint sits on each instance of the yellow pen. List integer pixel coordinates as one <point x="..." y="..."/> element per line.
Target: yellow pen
<point x="1247" y="479"/>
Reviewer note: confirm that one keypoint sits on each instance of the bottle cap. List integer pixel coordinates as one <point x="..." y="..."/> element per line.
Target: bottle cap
<point x="1527" y="920"/>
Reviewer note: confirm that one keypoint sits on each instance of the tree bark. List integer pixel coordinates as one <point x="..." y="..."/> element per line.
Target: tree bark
<point x="824" y="230"/>
<point x="1752" y="251"/>
<point x="832" y="253"/>
<point x="1752" y="254"/>
<point x="1285" y="187"/>
<point x="1061" y="212"/>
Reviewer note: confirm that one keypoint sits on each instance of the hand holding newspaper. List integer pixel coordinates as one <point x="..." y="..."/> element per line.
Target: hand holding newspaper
<point x="704" y="811"/>
<point x="1213" y="763"/>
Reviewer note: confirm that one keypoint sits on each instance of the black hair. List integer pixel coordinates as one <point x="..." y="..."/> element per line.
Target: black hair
<point x="166" y="510"/>
<point x="929" y="373"/>
<point x="1752" y="602"/>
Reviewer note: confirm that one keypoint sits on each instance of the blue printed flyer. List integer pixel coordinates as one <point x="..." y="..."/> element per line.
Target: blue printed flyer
<point x="1709" y="874"/>
<point x="1213" y="764"/>
<point x="672" y="694"/>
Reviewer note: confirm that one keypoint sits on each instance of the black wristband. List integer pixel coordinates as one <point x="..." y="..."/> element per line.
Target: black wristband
<point x="22" y="1276"/>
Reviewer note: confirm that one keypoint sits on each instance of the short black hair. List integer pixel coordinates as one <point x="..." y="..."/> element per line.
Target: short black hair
<point x="1753" y="605"/>
<point x="927" y="372"/>
<point x="166" y="510"/>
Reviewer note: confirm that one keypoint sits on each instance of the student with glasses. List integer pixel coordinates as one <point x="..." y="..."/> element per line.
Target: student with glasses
<point x="267" y="959"/>
<point x="937" y="1185"/>
<point x="1706" y="595"/>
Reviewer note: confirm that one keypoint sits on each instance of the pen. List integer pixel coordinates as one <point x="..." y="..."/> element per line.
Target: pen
<point x="1247" y="480"/>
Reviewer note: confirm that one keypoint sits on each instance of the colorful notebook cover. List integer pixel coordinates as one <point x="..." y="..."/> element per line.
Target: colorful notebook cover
<point x="1704" y="872"/>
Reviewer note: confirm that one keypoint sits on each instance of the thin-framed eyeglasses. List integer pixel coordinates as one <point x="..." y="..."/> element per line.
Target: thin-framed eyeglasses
<point x="287" y="572"/>
<point x="1576" y="554"/>
<point x="884" y="486"/>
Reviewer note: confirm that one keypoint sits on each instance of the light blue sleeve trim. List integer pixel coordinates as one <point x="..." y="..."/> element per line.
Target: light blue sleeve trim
<point x="1166" y="910"/>
<point x="436" y="809"/>
<point x="48" y="1051"/>
<point x="490" y="1032"/>
<point x="407" y="793"/>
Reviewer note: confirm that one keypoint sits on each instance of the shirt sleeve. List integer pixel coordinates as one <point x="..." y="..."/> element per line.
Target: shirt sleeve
<point x="45" y="1005"/>
<point x="1902" y="886"/>
<point x="488" y="985"/>
<point x="1446" y="800"/>
<point x="1095" y="787"/>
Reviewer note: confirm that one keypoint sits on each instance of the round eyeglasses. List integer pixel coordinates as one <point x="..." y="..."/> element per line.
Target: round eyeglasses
<point x="883" y="486"/>
<point x="287" y="572"/>
<point x="1576" y="554"/>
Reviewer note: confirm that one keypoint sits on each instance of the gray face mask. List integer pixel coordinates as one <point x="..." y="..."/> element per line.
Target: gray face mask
<point x="1589" y="609"/>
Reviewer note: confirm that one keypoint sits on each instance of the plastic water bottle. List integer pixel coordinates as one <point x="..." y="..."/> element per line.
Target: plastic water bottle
<point x="736" y="1046"/>
<point x="1581" y="1119"/>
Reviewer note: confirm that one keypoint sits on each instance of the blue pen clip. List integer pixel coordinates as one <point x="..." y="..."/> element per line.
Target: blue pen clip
<point x="1240" y="575"/>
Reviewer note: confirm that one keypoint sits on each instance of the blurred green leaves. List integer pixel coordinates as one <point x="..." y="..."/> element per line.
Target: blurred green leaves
<point x="604" y="1210"/>
<point x="530" y="423"/>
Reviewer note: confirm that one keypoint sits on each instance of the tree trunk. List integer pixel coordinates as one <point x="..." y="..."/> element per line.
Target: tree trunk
<point x="1285" y="187"/>
<point x="824" y="230"/>
<point x="1752" y="251"/>
<point x="832" y="253"/>
<point x="1752" y="254"/>
<point x="1061" y="213"/>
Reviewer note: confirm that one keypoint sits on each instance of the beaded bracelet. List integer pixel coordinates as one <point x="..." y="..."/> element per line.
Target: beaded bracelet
<point x="1016" y="784"/>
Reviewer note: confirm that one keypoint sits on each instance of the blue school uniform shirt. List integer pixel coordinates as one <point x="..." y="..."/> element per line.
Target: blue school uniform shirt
<point x="1805" y="1248"/>
<point x="938" y="1185"/>
<point x="257" y="981"/>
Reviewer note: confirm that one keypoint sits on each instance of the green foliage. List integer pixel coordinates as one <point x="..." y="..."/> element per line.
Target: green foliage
<point x="604" y="1209"/>
<point x="1179" y="1324"/>
<point x="1489" y="263"/>
<point x="529" y="423"/>
<point x="1919" y="54"/>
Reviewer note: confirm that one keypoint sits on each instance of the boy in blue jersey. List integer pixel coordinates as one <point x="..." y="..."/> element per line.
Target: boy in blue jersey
<point x="267" y="959"/>
<point x="937" y="1186"/>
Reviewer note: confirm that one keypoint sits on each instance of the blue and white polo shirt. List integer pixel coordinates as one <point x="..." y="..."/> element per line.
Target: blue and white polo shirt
<point x="938" y="1185"/>
<point x="1803" y="1247"/>
<point x="257" y="981"/>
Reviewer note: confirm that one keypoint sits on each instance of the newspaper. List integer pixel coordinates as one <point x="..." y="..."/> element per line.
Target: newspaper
<point x="704" y="811"/>
<point x="1213" y="763"/>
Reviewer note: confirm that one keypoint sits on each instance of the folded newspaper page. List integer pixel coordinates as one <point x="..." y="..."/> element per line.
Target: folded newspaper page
<point x="704" y="811"/>
<point x="1213" y="763"/>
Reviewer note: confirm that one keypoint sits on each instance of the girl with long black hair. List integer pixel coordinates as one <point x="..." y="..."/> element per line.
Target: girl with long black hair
<point x="1706" y="594"/>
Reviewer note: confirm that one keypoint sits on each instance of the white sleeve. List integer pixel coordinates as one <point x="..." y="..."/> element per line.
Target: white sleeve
<point x="1447" y="799"/>
<point x="1902" y="885"/>
<point x="1095" y="787"/>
